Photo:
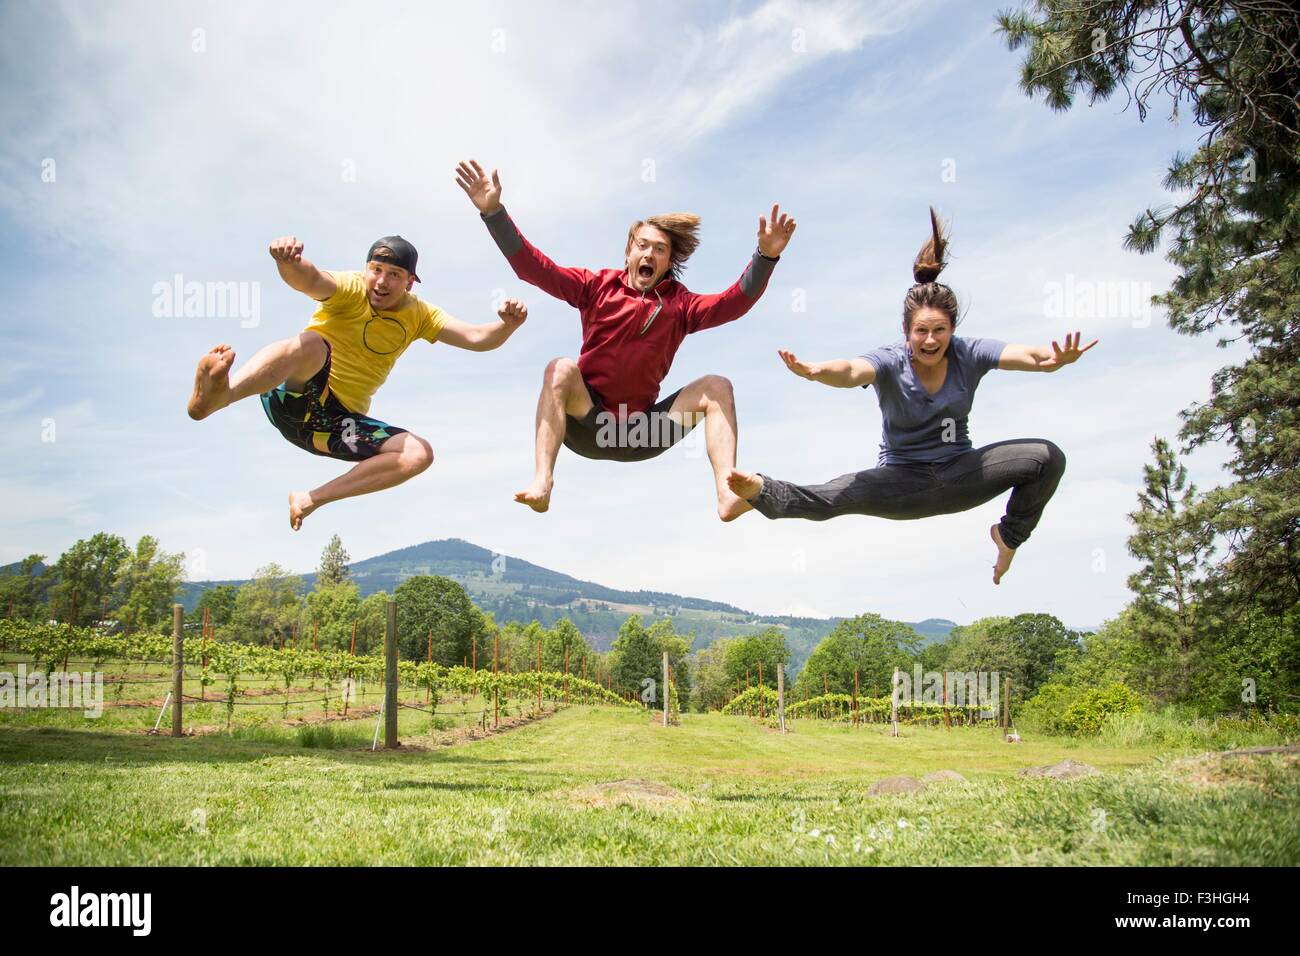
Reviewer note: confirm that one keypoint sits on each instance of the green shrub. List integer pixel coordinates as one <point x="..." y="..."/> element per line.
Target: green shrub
<point x="321" y="737"/>
<point x="1088" y="713"/>
<point x="1044" y="713"/>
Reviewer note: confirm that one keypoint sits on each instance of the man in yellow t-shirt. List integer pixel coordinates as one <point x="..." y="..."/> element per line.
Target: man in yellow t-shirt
<point x="316" y="387"/>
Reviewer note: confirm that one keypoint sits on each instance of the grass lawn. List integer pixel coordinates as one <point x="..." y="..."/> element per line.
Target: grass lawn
<point x="741" y="794"/>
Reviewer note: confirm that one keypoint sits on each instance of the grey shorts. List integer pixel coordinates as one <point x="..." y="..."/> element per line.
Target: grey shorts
<point x="642" y="435"/>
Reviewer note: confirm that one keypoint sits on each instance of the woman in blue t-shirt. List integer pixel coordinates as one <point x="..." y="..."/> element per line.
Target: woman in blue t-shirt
<point x="925" y="385"/>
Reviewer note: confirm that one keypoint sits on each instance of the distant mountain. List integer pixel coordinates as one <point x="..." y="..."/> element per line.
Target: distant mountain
<point x="38" y="568"/>
<point x="513" y="589"/>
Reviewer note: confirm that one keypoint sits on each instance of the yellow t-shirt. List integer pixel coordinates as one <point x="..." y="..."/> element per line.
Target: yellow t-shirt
<point x="364" y="344"/>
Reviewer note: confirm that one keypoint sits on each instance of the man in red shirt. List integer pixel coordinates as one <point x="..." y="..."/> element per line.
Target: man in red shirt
<point x="606" y="405"/>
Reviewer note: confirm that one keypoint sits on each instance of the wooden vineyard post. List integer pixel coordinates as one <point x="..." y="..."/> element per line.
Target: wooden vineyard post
<point x="893" y="704"/>
<point x="203" y="651"/>
<point x="496" y="692"/>
<point x="72" y="622"/>
<point x="1006" y="706"/>
<point x="760" y="690"/>
<point x="947" y="721"/>
<point x="428" y="691"/>
<point x="666" y="688"/>
<point x="353" y="650"/>
<point x="855" y="697"/>
<point x="178" y="667"/>
<point x="780" y="696"/>
<point x="390" y="675"/>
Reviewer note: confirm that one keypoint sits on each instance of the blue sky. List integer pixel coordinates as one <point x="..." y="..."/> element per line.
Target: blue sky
<point x="185" y="137"/>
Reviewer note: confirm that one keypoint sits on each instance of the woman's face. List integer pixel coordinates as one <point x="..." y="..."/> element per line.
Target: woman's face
<point x="929" y="337"/>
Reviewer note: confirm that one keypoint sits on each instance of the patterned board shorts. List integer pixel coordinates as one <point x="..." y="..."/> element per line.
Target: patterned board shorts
<point x="317" y="421"/>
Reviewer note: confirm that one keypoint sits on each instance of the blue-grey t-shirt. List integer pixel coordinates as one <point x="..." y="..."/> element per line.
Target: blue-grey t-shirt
<point x="918" y="426"/>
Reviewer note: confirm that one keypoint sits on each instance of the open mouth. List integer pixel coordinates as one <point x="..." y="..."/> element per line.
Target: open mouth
<point x="930" y="351"/>
<point x="645" y="271"/>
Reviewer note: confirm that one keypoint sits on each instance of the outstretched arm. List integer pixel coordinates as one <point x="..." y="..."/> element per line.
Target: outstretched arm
<point x="490" y="335"/>
<point x="840" y="373"/>
<point x="297" y="272"/>
<point x="529" y="263"/>
<point x="708" y="311"/>
<point x="1041" y="358"/>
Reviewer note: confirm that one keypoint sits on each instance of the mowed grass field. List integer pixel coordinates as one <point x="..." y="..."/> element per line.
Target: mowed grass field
<point x="600" y="786"/>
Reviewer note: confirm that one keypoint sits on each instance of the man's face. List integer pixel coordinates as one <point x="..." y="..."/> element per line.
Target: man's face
<point x="386" y="284"/>
<point x="647" y="257"/>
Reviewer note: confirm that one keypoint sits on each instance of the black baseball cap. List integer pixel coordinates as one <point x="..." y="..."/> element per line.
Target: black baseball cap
<point x="396" y="251"/>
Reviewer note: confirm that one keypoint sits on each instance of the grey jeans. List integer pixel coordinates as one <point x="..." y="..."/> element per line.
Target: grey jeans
<point x="1030" y="467"/>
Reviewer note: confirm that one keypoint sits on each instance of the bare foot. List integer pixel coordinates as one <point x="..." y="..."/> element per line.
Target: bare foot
<point x="537" y="495"/>
<point x="211" y="382"/>
<point x="1005" y="555"/>
<point x="731" y="506"/>
<point x="744" y="485"/>
<point x="300" y="506"/>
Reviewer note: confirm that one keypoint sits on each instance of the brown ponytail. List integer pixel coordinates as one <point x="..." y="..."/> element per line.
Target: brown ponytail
<point x="928" y="264"/>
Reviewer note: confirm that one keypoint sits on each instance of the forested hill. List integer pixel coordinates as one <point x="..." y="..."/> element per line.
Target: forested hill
<point x="513" y="589"/>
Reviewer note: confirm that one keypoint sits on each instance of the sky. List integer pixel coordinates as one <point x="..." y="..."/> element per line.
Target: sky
<point x="145" y="142"/>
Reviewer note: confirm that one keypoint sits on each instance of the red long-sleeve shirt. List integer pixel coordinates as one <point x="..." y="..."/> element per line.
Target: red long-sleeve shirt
<point x="624" y="359"/>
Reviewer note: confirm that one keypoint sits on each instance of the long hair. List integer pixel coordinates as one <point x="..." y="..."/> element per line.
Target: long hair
<point x="683" y="230"/>
<point x="928" y="293"/>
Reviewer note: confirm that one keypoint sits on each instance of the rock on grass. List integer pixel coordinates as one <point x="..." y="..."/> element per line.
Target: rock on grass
<point x="634" y="792"/>
<point x="1065" y="770"/>
<point x="890" y="785"/>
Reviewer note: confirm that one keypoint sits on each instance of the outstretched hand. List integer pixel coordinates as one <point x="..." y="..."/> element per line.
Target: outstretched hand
<point x="1067" y="355"/>
<point x="483" y="192"/>
<point x="802" y="369"/>
<point x="775" y="235"/>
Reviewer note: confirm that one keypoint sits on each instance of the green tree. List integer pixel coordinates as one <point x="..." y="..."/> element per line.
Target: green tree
<point x="989" y="644"/>
<point x="20" y="592"/>
<point x="1045" y="645"/>
<point x="1232" y="234"/>
<point x="331" y="613"/>
<point x="267" y="606"/>
<point x="432" y="604"/>
<point x="868" y="644"/>
<point x="519" y="645"/>
<point x="563" y="635"/>
<point x="711" y="682"/>
<point x="745" y="654"/>
<point x="1174" y="544"/>
<point x="219" y="602"/>
<point x="148" y="580"/>
<point x="333" y="567"/>
<point x="1029" y="649"/>
<point x="372" y="626"/>
<point x="87" y="570"/>
<point x="635" y="657"/>
<point x="678" y="648"/>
